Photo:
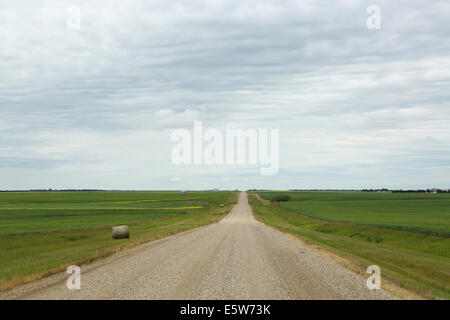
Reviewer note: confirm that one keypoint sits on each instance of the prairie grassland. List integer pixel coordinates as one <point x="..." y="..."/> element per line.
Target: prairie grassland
<point x="43" y="232"/>
<point x="407" y="235"/>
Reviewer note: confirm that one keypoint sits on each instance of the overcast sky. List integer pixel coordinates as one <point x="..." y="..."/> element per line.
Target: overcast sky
<point x="95" y="107"/>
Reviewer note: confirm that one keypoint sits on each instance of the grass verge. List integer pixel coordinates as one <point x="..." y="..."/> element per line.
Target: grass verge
<point x="413" y="262"/>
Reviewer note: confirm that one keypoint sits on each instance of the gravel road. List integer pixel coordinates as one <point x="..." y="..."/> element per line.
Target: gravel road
<point x="237" y="258"/>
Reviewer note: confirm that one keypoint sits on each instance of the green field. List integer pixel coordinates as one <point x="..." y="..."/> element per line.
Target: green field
<point x="43" y="232"/>
<point x="407" y="235"/>
<point x="427" y="213"/>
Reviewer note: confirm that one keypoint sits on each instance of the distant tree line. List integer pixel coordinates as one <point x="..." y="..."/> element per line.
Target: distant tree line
<point x="370" y="190"/>
<point x="408" y="191"/>
<point x="421" y="191"/>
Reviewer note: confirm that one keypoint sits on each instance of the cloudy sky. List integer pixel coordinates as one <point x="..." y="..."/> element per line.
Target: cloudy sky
<point x="95" y="107"/>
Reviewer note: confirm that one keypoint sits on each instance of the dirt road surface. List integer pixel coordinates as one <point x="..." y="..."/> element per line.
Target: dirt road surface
<point x="237" y="258"/>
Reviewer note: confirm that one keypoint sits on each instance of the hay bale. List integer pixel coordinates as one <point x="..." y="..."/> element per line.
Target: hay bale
<point x="120" y="232"/>
<point x="222" y="205"/>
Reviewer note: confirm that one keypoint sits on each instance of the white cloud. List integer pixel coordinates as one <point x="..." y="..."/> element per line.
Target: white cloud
<point x="95" y="107"/>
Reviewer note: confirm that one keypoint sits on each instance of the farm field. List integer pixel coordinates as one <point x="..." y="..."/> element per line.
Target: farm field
<point x="44" y="232"/>
<point x="407" y="235"/>
<point x="426" y="213"/>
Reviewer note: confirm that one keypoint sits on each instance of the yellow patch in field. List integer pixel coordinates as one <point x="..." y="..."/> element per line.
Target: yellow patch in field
<point x="153" y="200"/>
